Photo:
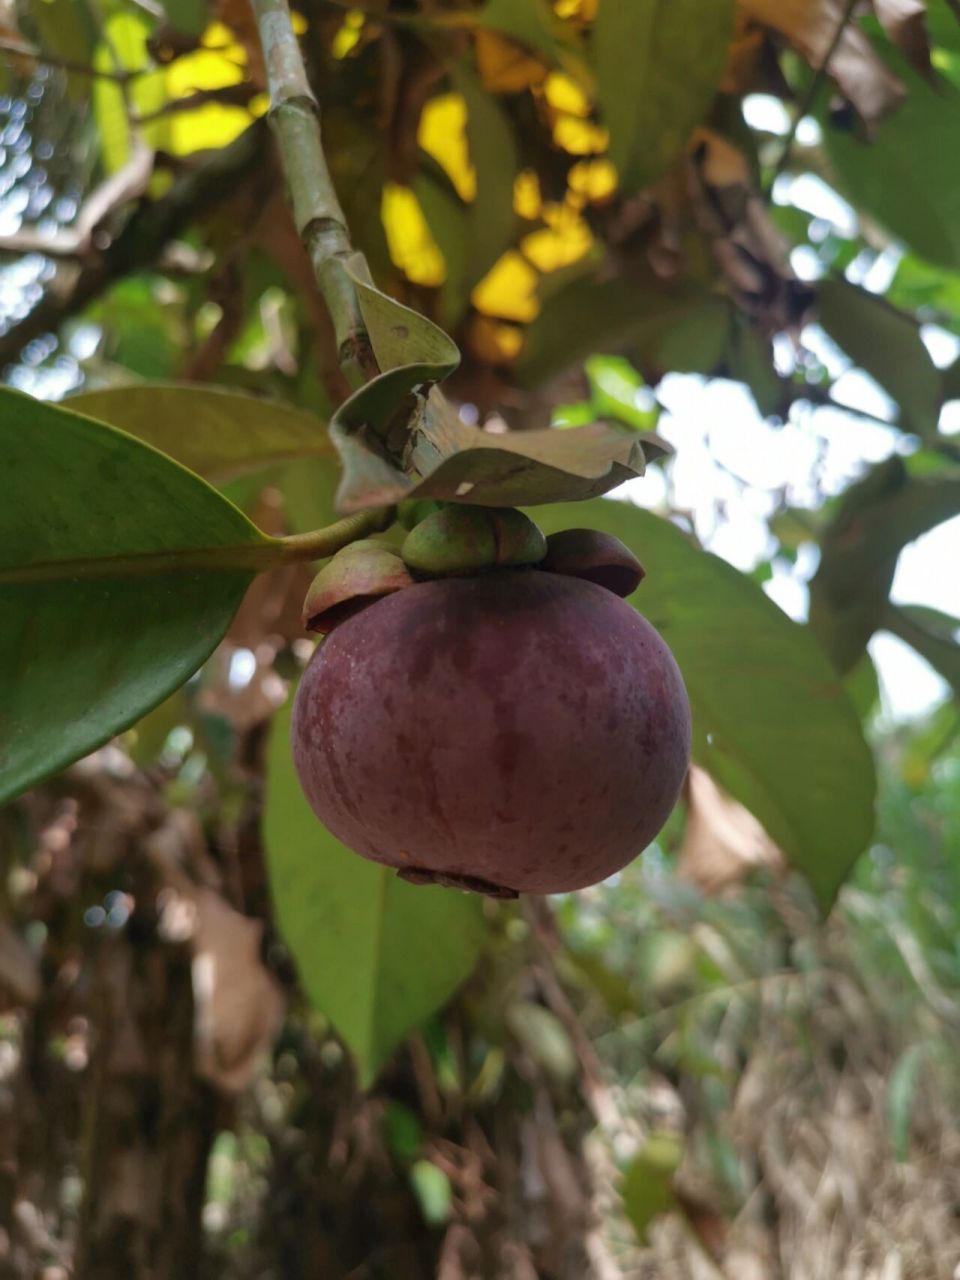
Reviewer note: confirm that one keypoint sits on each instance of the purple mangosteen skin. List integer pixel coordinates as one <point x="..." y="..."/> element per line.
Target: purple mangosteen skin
<point x="522" y="728"/>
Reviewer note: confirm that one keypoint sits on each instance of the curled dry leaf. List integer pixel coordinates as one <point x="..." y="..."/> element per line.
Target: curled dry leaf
<point x="399" y="438"/>
<point x="238" y="1004"/>
<point x="905" y="22"/>
<point x="723" y="842"/>
<point x="811" y="26"/>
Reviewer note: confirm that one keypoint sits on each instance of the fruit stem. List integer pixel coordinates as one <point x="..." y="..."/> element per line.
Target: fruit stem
<point x="320" y="543"/>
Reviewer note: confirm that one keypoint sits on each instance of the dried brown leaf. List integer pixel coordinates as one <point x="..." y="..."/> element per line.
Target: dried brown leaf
<point x="905" y="22"/>
<point x="811" y="26"/>
<point x="723" y="842"/>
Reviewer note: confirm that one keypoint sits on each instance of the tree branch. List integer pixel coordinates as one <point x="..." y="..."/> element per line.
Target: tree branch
<point x="74" y="241"/>
<point x="143" y="239"/>
<point x="295" y="118"/>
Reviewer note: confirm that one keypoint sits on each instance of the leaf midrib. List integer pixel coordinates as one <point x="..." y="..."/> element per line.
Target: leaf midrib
<point x="252" y="556"/>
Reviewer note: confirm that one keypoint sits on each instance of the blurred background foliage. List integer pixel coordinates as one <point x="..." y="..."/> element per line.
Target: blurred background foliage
<point x="735" y="223"/>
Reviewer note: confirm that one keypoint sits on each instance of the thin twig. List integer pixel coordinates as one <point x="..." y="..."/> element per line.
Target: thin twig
<point x="295" y="118"/>
<point x="74" y="241"/>
<point x="806" y="102"/>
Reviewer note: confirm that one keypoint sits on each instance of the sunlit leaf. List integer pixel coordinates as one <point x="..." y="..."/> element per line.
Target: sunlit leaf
<point x="412" y="246"/>
<point x="442" y="134"/>
<point x="509" y="289"/>
<point x="220" y="434"/>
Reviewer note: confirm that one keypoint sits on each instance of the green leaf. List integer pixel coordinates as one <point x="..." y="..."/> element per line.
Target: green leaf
<point x="399" y="439"/>
<point x="873" y="522"/>
<point x="124" y="47"/>
<point x="750" y="361"/>
<point x="377" y="956"/>
<point x="932" y="292"/>
<point x="647" y="1187"/>
<point x="901" y="1090"/>
<point x="933" y="634"/>
<point x="684" y="331"/>
<point x="402" y="1130"/>
<point x="66" y="31"/>
<point x="902" y="176"/>
<point x="530" y="22"/>
<point x="658" y="64"/>
<point x="544" y="1039"/>
<point x="615" y="386"/>
<point x="448" y="219"/>
<point x="220" y="434"/>
<point x="772" y="723"/>
<point x="886" y="343"/>
<point x="188" y="16"/>
<point x="432" y="1189"/>
<point x="493" y="151"/>
<point x="119" y="573"/>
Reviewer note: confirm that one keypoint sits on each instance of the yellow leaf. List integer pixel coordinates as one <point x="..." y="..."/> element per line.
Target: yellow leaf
<point x="565" y="95"/>
<point x="565" y="239"/>
<point x="442" y="134"/>
<point x="218" y="64"/>
<point x="585" y="10"/>
<point x="593" y="180"/>
<point x="505" y="67"/>
<point x="348" y="36"/>
<point x="509" y="289"/>
<point x="579" y="137"/>
<point x="124" y="48"/>
<point x="412" y="247"/>
<point x="494" y="342"/>
<point x="526" y="195"/>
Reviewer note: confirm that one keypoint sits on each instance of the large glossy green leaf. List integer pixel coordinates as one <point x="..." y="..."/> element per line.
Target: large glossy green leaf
<point x="219" y="433"/>
<point x="658" y="64"/>
<point x="119" y="573"/>
<point x="887" y="344"/>
<point x="905" y="175"/>
<point x="376" y="955"/>
<point x="772" y="722"/>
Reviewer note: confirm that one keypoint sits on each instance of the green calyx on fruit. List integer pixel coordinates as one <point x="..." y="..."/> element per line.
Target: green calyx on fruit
<point x="597" y="557"/>
<point x="462" y="540"/>
<point x="354" y="578"/>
